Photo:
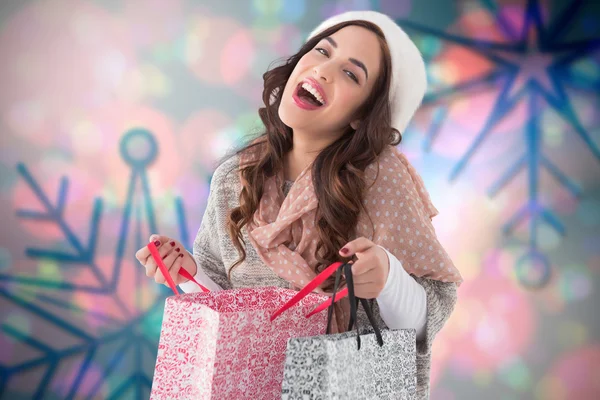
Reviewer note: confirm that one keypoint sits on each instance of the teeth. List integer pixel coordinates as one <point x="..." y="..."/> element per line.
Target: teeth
<point x="313" y="91"/>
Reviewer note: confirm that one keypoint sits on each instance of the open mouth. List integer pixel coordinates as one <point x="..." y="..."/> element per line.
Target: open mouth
<point x="309" y="95"/>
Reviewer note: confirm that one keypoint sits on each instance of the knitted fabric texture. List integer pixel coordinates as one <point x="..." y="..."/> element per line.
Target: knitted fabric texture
<point x="215" y="254"/>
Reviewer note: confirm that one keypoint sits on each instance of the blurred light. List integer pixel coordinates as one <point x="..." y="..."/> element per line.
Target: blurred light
<point x="516" y="375"/>
<point x="155" y="82"/>
<point x="470" y="264"/>
<point x="565" y="203"/>
<point x="194" y="48"/>
<point x="572" y="335"/>
<point x="203" y="128"/>
<point x="5" y="259"/>
<point x="293" y="11"/>
<point x="85" y="27"/>
<point x="574" y="375"/>
<point x="268" y="7"/>
<point x="249" y="123"/>
<point x="430" y="46"/>
<point x="219" y="50"/>
<point x="50" y="270"/>
<point x="62" y="383"/>
<point x="395" y="8"/>
<point x="548" y="238"/>
<point x="575" y="283"/>
<point x="588" y="212"/>
<point x="8" y="175"/>
<point x="551" y="388"/>
<point x="482" y="377"/>
<point x="588" y="68"/>
<point x="553" y="129"/>
<point x="237" y="57"/>
<point x="87" y="138"/>
<point x="594" y="263"/>
<point x="458" y="64"/>
<point x="329" y="9"/>
<point x="533" y="270"/>
<point x="26" y="118"/>
<point x="437" y="73"/>
<point x="110" y="69"/>
<point x="151" y="324"/>
<point x="19" y="322"/>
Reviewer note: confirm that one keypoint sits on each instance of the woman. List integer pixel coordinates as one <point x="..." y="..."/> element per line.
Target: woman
<point x="325" y="183"/>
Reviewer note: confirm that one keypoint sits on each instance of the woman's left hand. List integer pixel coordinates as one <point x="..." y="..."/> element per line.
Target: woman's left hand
<point x="371" y="269"/>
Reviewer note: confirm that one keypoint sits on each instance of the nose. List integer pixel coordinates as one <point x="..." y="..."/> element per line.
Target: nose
<point x="322" y="72"/>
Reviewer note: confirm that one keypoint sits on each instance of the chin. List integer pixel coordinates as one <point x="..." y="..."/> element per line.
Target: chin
<point x="291" y="116"/>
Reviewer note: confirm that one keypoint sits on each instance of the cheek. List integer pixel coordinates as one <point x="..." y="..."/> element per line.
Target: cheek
<point x="346" y="104"/>
<point x="302" y="66"/>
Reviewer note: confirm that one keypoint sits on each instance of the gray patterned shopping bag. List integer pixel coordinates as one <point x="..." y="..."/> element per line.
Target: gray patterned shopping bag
<point x="364" y="364"/>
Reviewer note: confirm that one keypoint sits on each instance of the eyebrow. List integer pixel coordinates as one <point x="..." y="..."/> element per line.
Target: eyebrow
<point x="354" y="61"/>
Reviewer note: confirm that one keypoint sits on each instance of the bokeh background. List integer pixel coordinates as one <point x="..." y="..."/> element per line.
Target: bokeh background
<point x="114" y="113"/>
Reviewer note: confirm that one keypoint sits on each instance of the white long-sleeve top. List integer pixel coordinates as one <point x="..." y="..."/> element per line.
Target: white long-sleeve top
<point x="402" y="302"/>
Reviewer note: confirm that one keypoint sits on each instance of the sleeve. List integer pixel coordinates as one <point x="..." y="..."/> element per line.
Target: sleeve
<point x="202" y="278"/>
<point x="402" y="302"/>
<point x="441" y="299"/>
<point x="206" y="251"/>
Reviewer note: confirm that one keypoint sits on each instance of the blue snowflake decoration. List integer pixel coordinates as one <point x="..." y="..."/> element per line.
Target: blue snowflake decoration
<point x="125" y="354"/>
<point x="537" y="88"/>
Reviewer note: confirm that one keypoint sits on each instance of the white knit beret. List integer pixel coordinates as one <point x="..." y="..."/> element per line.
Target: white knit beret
<point x="409" y="80"/>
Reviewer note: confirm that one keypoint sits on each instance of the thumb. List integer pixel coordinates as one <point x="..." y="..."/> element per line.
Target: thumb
<point x="358" y="245"/>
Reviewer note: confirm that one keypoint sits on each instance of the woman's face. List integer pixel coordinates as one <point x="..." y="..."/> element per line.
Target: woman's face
<point x="331" y="82"/>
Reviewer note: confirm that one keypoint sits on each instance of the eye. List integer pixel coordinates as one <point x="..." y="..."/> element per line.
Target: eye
<point x="326" y="54"/>
<point x="351" y="75"/>
<point x="322" y="51"/>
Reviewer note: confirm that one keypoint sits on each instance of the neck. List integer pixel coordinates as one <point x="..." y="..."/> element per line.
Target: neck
<point x="305" y="150"/>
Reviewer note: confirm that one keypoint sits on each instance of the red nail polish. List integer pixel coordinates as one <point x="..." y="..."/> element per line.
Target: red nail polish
<point x="344" y="250"/>
<point x="157" y="243"/>
<point x="172" y="243"/>
<point x="177" y="250"/>
<point x="181" y="255"/>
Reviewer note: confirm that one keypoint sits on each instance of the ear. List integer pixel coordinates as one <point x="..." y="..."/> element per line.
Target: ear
<point x="355" y="124"/>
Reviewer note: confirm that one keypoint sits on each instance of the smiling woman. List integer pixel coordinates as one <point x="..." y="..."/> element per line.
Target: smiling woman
<point x="333" y="116"/>
<point x="323" y="177"/>
<point x="326" y="183"/>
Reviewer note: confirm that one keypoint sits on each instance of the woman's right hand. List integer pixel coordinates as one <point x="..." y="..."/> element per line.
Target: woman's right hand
<point x="174" y="256"/>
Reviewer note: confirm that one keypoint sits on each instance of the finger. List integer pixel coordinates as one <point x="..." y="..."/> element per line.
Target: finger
<point x="169" y="248"/>
<point x="173" y="262"/>
<point x="178" y="267"/>
<point x="167" y="257"/>
<point x="359" y="245"/>
<point x="143" y="253"/>
<point x="158" y="276"/>
<point x="166" y="248"/>
<point x="150" y="268"/>
<point x="161" y="238"/>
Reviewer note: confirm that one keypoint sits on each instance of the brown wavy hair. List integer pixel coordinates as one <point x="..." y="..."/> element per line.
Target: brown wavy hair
<point x="337" y="171"/>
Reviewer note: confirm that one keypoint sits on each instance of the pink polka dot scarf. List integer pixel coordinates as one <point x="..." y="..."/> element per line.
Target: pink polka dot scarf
<point x="284" y="235"/>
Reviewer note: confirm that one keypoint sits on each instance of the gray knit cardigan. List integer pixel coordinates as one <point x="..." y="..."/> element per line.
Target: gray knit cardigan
<point x="215" y="254"/>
